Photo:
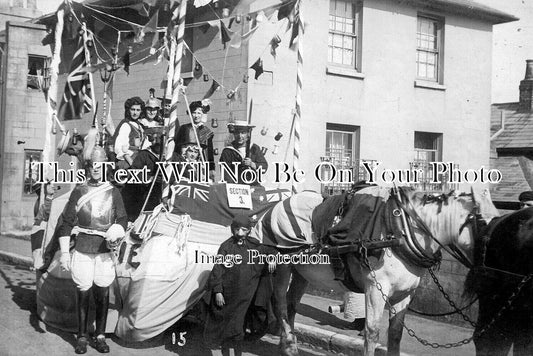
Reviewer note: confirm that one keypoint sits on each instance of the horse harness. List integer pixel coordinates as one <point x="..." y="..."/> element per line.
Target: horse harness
<point x="400" y="221"/>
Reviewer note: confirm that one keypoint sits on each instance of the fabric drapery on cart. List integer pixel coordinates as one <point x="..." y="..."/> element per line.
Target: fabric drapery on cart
<point x="158" y="276"/>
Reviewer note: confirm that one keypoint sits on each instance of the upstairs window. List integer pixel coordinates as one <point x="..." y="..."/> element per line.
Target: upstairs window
<point x="344" y="39"/>
<point x="429" y="51"/>
<point x="37" y="69"/>
<point x="31" y="171"/>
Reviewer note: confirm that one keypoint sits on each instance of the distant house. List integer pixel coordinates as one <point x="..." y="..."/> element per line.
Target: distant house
<point x="512" y="144"/>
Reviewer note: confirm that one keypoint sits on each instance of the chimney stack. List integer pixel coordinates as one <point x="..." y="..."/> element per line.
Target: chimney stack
<point x="526" y="89"/>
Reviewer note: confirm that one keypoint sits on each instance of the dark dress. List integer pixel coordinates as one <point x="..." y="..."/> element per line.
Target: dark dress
<point x="238" y="285"/>
<point x="135" y="194"/>
<point x="230" y="154"/>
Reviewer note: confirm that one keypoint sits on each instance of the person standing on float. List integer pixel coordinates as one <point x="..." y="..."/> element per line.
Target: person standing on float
<point x="198" y="109"/>
<point x="129" y="134"/>
<point x="247" y="155"/>
<point x="96" y="212"/>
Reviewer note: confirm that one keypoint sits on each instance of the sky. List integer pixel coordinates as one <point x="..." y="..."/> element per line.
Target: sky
<point x="512" y="45"/>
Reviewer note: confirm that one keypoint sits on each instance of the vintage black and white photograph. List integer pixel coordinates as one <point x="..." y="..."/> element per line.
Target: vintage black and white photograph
<point x="266" y="177"/>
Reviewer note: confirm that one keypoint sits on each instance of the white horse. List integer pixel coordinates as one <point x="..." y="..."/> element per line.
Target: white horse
<point x="430" y="223"/>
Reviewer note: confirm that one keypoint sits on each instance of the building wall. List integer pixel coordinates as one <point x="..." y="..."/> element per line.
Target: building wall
<point x="23" y="113"/>
<point x="385" y="104"/>
<point x="17" y="10"/>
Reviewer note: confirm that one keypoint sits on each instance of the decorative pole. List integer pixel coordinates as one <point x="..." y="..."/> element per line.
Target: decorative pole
<point x="298" y="107"/>
<point x="50" y="89"/>
<point x="181" y="12"/>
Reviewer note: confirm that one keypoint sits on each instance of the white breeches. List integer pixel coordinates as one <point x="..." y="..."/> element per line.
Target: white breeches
<point x="89" y="268"/>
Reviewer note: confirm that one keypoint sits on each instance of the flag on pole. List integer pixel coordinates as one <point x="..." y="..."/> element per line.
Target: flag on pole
<point x="77" y="98"/>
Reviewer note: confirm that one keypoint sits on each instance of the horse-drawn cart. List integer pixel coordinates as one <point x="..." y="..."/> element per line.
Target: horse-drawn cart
<point x="159" y="274"/>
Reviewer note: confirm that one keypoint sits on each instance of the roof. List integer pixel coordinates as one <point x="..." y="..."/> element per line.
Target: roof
<point x="467" y="8"/>
<point x="514" y="145"/>
<point x="513" y="179"/>
<point x="518" y="132"/>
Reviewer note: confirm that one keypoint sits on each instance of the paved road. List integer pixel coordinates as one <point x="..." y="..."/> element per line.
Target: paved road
<point x="21" y="333"/>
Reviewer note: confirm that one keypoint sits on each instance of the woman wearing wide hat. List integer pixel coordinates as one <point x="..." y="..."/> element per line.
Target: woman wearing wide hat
<point x="241" y="150"/>
<point x="204" y="136"/>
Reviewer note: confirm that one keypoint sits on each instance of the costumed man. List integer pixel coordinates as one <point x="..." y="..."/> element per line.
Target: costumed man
<point x="96" y="211"/>
<point x="232" y="288"/>
<point x="526" y="199"/>
<point x="186" y="152"/>
<point x="129" y="134"/>
<point x="135" y="194"/>
<point x="241" y="151"/>
<point x="197" y="109"/>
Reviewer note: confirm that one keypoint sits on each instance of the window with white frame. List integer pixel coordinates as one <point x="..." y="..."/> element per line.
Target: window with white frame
<point x="427" y="149"/>
<point x="342" y="153"/>
<point x="344" y="39"/>
<point x="429" y="51"/>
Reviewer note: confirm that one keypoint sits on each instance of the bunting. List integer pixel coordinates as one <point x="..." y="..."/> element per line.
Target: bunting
<point x="77" y="98"/>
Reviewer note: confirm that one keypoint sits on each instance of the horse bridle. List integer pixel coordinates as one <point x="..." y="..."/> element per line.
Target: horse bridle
<point x="474" y="219"/>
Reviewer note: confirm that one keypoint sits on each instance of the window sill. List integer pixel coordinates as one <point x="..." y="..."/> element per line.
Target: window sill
<point x="429" y="85"/>
<point x="344" y="72"/>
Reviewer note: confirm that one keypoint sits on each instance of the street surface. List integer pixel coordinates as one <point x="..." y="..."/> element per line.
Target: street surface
<point x="22" y="333"/>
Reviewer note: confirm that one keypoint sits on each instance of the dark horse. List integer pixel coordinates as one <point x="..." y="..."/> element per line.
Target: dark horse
<point x="503" y="262"/>
<point x="436" y="222"/>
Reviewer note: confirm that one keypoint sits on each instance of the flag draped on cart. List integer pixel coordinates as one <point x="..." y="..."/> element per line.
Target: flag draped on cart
<point x="163" y="276"/>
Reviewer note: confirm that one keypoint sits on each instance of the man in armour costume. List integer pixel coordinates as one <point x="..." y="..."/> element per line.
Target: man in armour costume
<point x="96" y="212"/>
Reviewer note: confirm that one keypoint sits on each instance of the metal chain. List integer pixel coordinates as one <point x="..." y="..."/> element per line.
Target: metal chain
<point x="450" y="301"/>
<point x="436" y="345"/>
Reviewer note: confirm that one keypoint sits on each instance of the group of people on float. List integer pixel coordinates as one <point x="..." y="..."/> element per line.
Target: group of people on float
<point x="97" y="213"/>
<point x="138" y="143"/>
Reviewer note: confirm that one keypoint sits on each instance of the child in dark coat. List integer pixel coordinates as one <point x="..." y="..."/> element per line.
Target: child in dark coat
<point x="232" y="288"/>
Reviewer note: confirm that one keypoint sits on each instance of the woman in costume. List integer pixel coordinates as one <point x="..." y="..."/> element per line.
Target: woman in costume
<point x="204" y="135"/>
<point x="129" y="134"/>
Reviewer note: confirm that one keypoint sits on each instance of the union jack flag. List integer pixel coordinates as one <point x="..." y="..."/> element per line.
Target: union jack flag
<point x="277" y="195"/>
<point x="77" y="98"/>
<point x="192" y="190"/>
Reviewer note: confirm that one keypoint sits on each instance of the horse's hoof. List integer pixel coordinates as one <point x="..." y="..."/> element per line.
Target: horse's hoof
<point x="289" y="346"/>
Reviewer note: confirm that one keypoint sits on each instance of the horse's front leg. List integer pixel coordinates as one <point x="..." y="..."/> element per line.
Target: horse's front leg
<point x="396" y="325"/>
<point x="287" y="340"/>
<point x="294" y="295"/>
<point x="374" y="305"/>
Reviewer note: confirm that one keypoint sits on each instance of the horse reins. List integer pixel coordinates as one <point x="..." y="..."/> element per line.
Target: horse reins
<point x="474" y="219"/>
